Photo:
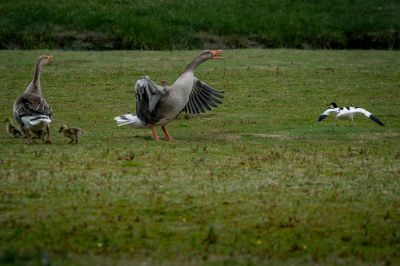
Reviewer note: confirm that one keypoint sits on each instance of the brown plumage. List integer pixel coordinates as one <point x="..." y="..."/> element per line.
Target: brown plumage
<point x="158" y="105"/>
<point x="31" y="110"/>
<point x="12" y="130"/>
<point x="72" y="133"/>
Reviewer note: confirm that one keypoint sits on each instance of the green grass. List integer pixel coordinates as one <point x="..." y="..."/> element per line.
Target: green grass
<point x="198" y="24"/>
<point x="255" y="181"/>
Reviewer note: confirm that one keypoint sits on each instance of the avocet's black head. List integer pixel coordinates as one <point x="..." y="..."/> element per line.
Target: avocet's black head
<point x="333" y="105"/>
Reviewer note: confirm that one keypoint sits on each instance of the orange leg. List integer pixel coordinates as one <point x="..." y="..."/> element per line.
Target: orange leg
<point x="167" y="135"/>
<point x="155" y="136"/>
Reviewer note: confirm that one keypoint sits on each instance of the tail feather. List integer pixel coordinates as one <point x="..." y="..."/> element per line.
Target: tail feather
<point x="36" y="121"/>
<point x="128" y="119"/>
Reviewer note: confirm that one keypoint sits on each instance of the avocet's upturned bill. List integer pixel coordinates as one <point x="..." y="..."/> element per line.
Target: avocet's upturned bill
<point x="347" y="113"/>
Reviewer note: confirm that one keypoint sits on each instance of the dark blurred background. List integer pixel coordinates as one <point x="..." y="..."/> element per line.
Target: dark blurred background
<point x="199" y="24"/>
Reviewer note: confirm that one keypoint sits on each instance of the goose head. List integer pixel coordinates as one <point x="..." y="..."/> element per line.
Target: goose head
<point x="203" y="56"/>
<point x="45" y="59"/>
<point x="333" y="105"/>
<point x="62" y="128"/>
<point x="211" y="54"/>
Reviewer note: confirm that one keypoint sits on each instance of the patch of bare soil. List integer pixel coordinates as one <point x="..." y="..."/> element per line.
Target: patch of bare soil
<point x="377" y="135"/>
<point x="274" y="136"/>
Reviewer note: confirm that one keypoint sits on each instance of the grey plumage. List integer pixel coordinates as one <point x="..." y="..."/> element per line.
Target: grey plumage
<point x="31" y="110"/>
<point x="202" y="96"/>
<point x="31" y="105"/>
<point x="149" y="97"/>
<point x="158" y="105"/>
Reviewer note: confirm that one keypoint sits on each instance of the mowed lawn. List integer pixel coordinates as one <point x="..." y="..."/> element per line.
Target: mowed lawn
<point x="255" y="181"/>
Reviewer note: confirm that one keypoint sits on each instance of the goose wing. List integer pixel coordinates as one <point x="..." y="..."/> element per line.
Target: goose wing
<point x="149" y="96"/>
<point x="202" y="97"/>
<point x="31" y="105"/>
<point x="326" y="113"/>
<point x="369" y="115"/>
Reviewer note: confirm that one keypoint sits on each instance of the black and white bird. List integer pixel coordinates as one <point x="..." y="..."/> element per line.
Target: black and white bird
<point x="347" y="113"/>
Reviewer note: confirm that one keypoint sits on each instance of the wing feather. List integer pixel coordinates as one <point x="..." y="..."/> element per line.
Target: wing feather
<point x="376" y="120"/>
<point x="198" y="105"/>
<point x="202" y="97"/>
<point x="369" y="115"/>
<point x="194" y="105"/>
<point x="204" y="102"/>
<point x="149" y="97"/>
<point x="210" y="98"/>
<point x="326" y="113"/>
<point x="362" y="111"/>
<point x="31" y="105"/>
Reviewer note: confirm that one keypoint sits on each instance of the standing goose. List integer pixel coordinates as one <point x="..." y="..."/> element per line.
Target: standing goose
<point x="31" y="110"/>
<point x="158" y="105"/>
<point x="347" y="113"/>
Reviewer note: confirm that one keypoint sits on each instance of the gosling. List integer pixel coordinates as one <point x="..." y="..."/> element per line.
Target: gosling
<point x="13" y="130"/>
<point x="73" y="133"/>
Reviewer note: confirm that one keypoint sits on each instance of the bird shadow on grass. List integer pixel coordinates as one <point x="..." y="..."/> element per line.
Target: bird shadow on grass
<point x="209" y="138"/>
<point x="144" y="137"/>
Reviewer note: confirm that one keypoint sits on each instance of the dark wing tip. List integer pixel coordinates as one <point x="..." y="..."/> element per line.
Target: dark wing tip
<point x="322" y="117"/>
<point x="376" y="120"/>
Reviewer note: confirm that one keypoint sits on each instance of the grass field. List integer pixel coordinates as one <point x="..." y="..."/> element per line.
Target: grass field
<point x="198" y="24"/>
<point x="255" y="181"/>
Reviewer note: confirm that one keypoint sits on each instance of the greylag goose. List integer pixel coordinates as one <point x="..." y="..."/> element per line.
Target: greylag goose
<point x="13" y="130"/>
<point x="72" y="133"/>
<point x="31" y="110"/>
<point x="347" y="113"/>
<point x="158" y="105"/>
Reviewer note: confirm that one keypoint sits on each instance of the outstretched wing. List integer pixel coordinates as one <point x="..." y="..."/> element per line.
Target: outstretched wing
<point x="31" y="105"/>
<point x="326" y="113"/>
<point x="369" y="115"/>
<point x="148" y="98"/>
<point x="202" y="97"/>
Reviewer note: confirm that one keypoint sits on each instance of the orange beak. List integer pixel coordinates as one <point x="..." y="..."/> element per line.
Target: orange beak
<point x="216" y="54"/>
<point x="49" y="57"/>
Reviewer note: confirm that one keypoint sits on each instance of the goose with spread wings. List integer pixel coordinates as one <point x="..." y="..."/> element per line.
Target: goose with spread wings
<point x="31" y="110"/>
<point x="158" y="105"/>
<point x="347" y="113"/>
